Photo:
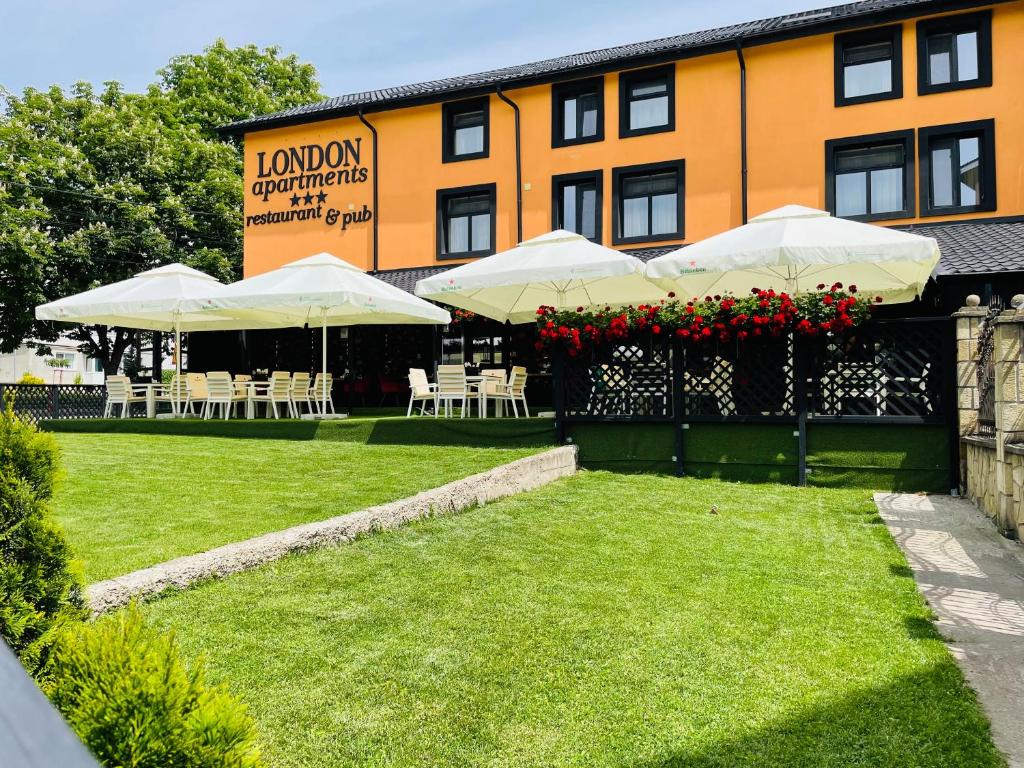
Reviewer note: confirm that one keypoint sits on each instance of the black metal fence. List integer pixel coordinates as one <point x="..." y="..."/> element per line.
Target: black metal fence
<point x="882" y="372"/>
<point x="56" y="401"/>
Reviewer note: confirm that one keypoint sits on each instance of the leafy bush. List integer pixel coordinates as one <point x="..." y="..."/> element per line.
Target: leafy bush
<point x="39" y="590"/>
<point x="129" y="696"/>
<point x="28" y="378"/>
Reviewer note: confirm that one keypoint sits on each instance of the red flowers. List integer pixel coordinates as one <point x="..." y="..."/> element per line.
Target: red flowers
<point x="714" y="319"/>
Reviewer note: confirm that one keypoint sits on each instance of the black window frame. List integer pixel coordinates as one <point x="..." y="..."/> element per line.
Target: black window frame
<point x="978" y="21"/>
<point x="626" y="171"/>
<point x="986" y="131"/>
<point x="560" y="92"/>
<point x="904" y="137"/>
<point x="626" y="79"/>
<point x="448" y="112"/>
<point x="892" y="35"/>
<point x="443" y="196"/>
<point x="560" y="181"/>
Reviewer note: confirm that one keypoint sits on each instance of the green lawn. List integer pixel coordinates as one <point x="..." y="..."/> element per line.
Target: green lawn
<point x="605" y="620"/>
<point x="132" y="500"/>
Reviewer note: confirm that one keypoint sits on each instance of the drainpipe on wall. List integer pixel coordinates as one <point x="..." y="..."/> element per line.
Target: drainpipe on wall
<point x="376" y="207"/>
<point x="743" y="128"/>
<point x="519" y="168"/>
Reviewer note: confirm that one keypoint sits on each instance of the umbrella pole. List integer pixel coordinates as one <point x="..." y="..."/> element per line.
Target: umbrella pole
<point x="177" y="369"/>
<point x="323" y="361"/>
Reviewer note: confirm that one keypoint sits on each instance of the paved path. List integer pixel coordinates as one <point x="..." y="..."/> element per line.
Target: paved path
<point x="973" y="579"/>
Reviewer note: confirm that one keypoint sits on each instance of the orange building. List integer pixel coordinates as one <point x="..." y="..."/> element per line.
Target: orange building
<point x="900" y="112"/>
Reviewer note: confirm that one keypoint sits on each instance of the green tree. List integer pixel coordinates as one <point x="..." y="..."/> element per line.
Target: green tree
<point x="100" y="185"/>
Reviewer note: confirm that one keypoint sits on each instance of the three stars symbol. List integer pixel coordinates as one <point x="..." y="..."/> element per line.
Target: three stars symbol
<point x="308" y="198"/>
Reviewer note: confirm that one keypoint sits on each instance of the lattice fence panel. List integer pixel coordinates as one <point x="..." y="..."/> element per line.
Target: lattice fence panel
<point x="57" y="401"/>
<point x="625" y="382"/>
<point x="883" y="369"/>
<point x="739" y="380"/>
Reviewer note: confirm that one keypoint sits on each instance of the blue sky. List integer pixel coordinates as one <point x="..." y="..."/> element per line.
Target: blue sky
<point x="355" y="44"/>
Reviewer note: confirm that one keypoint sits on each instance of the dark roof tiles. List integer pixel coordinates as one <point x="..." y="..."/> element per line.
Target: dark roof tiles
<point x="805" y="21"/>
<point x="976" y="247"/>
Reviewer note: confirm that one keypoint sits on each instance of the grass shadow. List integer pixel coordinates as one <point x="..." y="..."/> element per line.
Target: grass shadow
<point x="923" y="726"/>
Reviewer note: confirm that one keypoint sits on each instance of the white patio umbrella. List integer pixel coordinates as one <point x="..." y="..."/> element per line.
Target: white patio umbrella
<point x="320" y="290"/>
<point x="794" y="248"/>
<point x="559" y="269"/>
<point x="152" y="300"/>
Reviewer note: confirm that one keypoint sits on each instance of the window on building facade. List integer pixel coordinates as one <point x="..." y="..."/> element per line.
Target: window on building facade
<point x="648" y="202"/>
<point x="465" y="221"/>
<point x="576" y="204"/>
<point x="868" y="66"/>
<point x="647" y="101"/>
<point x="465" y="130"/>
<point x="954" y="52"/>
<point x="957" y="168"/>
<point x="577" y="110"/>
<point x="870" y="177"/>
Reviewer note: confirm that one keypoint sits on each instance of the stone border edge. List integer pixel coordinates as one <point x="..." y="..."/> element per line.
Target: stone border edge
<point x="476" y="490"/>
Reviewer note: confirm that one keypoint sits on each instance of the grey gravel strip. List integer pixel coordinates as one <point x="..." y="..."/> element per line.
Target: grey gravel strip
<point x="509" y="479"/>
<point x="973" y="579"/>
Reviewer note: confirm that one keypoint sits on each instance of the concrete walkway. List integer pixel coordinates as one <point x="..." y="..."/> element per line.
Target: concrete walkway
<point x="973" y="580"/>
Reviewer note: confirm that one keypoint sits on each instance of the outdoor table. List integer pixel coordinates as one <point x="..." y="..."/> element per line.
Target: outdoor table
<point x="251" y="390"/>
<point x="478" y="382"/>
<point x="150" y="389"/>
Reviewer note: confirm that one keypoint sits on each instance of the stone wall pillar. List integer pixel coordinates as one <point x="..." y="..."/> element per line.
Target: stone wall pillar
<point x="968" y="329"/>
<point x="992" y="464"/>
<point x="1009" y="412"/>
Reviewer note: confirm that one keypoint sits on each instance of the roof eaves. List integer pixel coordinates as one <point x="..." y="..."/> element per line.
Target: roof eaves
<point x="548" y="70"/>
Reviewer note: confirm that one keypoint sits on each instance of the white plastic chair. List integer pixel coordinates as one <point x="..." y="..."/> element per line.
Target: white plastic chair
<point x="451" y="386"/>
<point x="316" y="393"/>
<point x="279" y="391"/>
<point x="197" y="391"/>
<point x="221" y="391"/>
<point x="514" y="391"/>
<point x="420" y="390"/>
<point x="241" y="383"/>
<point x="175" y="393"/>
<point x="119" y="392"/>
<point x="300" y="393"/>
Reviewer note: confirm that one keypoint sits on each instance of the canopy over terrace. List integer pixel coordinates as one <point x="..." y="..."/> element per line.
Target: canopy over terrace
<point x="152" y="300"/>
<point x="560" y="269"/>
<point x="794" y="249"/>
<point x="320" y="290"/>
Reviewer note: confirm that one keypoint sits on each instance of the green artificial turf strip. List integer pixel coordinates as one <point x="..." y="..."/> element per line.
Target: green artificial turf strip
<point x="475" y="433"/>
<point x="129" y="501"/>
<point x="604" y="620"/>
